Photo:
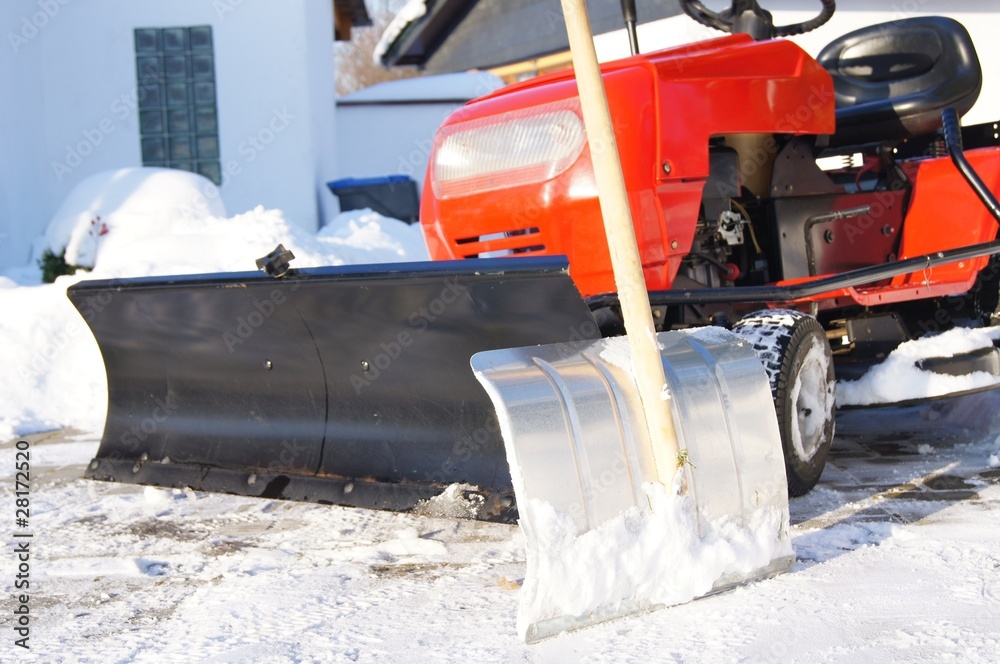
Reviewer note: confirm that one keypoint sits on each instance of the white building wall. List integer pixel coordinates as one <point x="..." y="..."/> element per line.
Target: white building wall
<point x="320" y="88"/>
<point x="388" y="128"/>
<point x="23" y="184"/>
<point x="980" y="17"/>
<point x="70" y="91"/>
<point x="402" y="133"/>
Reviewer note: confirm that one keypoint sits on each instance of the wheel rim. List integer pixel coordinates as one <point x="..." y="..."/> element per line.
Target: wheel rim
<point x="811" y="399"/>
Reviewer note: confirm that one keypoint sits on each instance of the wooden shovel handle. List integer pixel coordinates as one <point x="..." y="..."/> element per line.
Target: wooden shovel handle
<point x="646" y="363"/>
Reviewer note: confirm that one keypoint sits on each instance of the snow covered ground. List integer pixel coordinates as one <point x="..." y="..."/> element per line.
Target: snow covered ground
<point x="898" y="560"/>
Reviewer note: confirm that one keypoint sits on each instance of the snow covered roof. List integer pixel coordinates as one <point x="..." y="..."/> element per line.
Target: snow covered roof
<point x="456" y="35"/>
<point x="460" y="87"/>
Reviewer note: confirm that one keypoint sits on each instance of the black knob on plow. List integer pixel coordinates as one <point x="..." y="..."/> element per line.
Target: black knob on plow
<point x="276" y="263"/>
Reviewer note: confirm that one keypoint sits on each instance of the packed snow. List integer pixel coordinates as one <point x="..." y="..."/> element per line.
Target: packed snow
<point x="642" y="559"/>
<point x="898" y="378"/>
<point x="139" y="203"/>
<point x="149" y="222"/>
<point x="155" y="221"/>
<point x="887" y="569"/>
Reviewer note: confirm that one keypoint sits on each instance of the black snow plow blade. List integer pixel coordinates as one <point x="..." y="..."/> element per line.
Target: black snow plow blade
<point x="348" y="386"/>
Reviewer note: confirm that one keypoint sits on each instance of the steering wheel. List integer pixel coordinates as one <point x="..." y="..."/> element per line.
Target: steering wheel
<point x="725" y="20"/>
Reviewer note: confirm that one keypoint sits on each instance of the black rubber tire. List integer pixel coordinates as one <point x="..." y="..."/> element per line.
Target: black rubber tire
<point x="796" y="354"/>
<point x="987" y="293"/>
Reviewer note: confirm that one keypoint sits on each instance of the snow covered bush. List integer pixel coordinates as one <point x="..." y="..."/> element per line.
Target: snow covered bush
<point x="118" y="207"/>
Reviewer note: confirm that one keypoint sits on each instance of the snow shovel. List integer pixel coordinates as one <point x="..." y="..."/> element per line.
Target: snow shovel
<point x="648" y="469"/>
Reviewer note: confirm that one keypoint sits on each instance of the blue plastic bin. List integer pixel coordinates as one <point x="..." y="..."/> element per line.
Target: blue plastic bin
<point x="390" y="195"/>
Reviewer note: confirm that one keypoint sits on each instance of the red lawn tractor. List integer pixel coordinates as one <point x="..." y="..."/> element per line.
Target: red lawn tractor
<point x="737" y="225"/>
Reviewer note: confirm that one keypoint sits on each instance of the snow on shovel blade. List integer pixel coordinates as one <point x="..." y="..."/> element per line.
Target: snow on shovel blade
<point x="605" y="536"/>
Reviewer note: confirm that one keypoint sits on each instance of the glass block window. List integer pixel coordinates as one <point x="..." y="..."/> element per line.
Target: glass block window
<point x="178" y="116"/>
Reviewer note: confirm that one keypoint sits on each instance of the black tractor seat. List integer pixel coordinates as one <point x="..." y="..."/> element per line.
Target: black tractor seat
<point x="892" y="80"/>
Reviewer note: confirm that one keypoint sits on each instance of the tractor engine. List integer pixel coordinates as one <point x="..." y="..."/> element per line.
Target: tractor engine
<point x="718" y="255"/>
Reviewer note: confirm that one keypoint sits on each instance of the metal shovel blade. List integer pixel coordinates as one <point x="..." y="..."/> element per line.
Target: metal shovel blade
<point x="605" y="536"/>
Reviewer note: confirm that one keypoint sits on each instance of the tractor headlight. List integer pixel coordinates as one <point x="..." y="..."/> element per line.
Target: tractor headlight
<point x="507" y="150"/>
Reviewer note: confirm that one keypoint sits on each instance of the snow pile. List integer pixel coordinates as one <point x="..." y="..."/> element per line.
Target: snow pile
<point x="364" y="236"/>
<point x="642" y="559"/>
<point x="899" y="379"/>
<point x="142" y="222"/>
<point x="56" y="375"/>
<point x="458" y="501"/>
<point x="157" y="498"/>
<point x="134" y="202"/>
<point x="154" y="221"/>
<point x="617" y="350"/>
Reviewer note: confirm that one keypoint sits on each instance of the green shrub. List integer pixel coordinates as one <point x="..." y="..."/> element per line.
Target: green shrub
<point x="55" y="266"/>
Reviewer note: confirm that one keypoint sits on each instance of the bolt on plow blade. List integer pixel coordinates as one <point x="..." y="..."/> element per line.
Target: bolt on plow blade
<point x="606" y="537"/>
<point x="348" y="386"/>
